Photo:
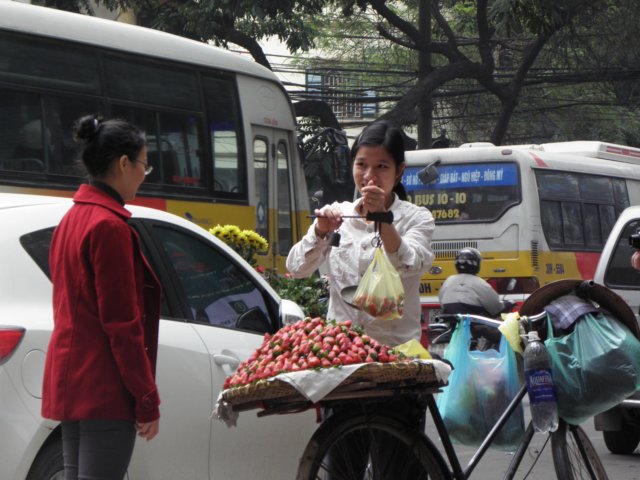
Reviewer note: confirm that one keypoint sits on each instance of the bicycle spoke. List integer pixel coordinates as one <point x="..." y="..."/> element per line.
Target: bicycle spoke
<point x="574" y="456"/>
<point x="580" y="459"/>
<point x="368" y="448"/>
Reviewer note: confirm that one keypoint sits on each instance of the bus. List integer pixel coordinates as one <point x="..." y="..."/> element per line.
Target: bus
<point x="220" y="127"/>
<point x="537" y="213"/>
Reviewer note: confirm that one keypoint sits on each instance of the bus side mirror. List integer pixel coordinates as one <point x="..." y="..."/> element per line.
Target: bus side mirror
<point x="429" y="173"/>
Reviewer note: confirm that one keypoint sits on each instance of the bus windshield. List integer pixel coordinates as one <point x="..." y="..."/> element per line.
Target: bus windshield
<point x="466" y="192"/>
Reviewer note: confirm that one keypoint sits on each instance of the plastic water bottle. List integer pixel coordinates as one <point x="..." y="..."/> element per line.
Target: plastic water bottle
<point x="539" y="382"/>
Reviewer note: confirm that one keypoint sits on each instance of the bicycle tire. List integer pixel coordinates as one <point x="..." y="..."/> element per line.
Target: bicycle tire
<point x="574" y="456"/>
<point x="407" y="452"/>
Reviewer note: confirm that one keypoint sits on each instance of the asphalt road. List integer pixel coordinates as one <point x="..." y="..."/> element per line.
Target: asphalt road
<point x="494" y="463"/>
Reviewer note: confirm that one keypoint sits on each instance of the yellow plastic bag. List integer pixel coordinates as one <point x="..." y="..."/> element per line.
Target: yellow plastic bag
<point x="510" y="328"/>
<point x="414" y="349"/>
<point x="380" y="292"/>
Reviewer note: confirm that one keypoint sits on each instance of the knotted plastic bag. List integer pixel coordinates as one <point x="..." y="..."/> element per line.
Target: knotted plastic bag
<point x="413" y="348"/>
<point x="380" y="293"/>
<point x="481" y="386"/>
<point x="595" y="367"/>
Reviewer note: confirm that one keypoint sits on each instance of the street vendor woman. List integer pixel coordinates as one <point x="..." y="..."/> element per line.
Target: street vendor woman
<point x="378" y="164"/>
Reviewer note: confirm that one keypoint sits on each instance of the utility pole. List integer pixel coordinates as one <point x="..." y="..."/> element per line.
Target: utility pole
<point x="424" y="107"/>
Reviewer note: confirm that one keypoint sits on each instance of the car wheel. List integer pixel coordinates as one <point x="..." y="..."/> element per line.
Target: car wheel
<point x="48" y="465"/>
<point x="622" y="442"/>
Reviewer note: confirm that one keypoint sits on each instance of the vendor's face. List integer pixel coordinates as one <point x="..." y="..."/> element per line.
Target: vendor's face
<point x="375" y="164"/>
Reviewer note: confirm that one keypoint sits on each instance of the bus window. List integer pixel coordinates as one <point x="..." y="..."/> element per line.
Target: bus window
<point x="284" y="200"/>
<point x="225" y="130"/>
<point x="59" y="117"/>
<point x="31" y="143"/>
<point x="21" y="135"/>
<point x="180" y="150"/>
<point x="261" y="173"/>
<point x="172" y="142"/>
<point x="47" y="64"/>
<point x="479" y="192"/>
<point x="579" y="210"/>
<point x="143" y="82"/>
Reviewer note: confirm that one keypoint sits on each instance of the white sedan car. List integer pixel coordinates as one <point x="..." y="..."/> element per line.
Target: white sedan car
<point x="215" y="311"/>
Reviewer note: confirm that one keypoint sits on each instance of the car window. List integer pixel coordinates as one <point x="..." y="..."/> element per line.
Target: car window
<point x="38" y="243"/>
<point x="218" y="291"/>
<point x="620" y="273"/>
<point x="37" y="246"/>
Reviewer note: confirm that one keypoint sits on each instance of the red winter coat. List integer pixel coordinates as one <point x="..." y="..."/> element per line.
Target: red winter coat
<point x="106" y="308"/>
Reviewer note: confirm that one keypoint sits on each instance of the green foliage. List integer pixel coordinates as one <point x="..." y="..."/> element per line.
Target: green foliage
<point x="243" y="22"/>
<point x="310" y="293"/>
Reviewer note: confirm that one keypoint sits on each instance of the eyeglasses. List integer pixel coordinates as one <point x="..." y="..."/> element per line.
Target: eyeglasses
<point x="147" y="168"/>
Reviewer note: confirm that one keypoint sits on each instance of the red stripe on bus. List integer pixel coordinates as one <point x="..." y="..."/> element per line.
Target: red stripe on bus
<point x="624" y="151"/>
<point x="586" y="263"/>
<point x="538" y="160"/>
<point x="157" y="203"/>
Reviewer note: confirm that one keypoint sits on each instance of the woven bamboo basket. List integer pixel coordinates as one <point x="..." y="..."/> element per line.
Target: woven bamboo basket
<point x="371" y="375"/>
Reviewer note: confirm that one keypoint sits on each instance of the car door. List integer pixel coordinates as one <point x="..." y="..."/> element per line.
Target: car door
<point x="230" y="311"/>
<point x="183" y="376"/>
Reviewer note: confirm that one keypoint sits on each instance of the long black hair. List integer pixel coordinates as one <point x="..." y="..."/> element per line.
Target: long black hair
<point x="381" y="133"/>
<point x="104" y="141"/>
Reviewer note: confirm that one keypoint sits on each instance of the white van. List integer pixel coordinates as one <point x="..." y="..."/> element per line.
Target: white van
<point x="621" y="425"/>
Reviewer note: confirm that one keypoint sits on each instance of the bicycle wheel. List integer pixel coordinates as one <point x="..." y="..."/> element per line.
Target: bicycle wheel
<point x="574" y="456"/>
<point x="357" y="446"/>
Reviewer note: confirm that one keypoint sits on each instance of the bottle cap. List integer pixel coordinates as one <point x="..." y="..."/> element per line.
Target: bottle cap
<point x="533" y="336"/>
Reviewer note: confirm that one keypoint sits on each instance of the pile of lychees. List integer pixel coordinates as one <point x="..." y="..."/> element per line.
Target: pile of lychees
<point x="311" y="343"/>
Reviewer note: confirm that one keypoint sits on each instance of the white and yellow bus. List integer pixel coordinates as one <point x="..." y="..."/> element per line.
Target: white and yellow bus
<point x="220" y="127"/>
<point x="538" y="213"/>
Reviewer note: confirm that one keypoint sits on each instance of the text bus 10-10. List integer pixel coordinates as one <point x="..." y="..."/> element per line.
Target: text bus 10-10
<point x="537" y="213"/>
<point x="220" y="127"/>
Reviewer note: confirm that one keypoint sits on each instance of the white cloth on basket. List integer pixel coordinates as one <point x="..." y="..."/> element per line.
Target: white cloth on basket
<point x="317" y="384"/>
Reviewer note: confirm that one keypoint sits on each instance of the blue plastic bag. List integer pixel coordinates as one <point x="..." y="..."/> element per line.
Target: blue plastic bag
<point x="480" y="388"/>
<point x="595" y="367"/>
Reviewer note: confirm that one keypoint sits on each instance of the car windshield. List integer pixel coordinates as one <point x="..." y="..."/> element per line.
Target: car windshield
<point x="471" y="192"/>
<point x="619" y="272"/>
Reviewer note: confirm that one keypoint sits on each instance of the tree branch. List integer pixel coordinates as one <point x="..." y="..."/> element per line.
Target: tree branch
<point x="248" y="43"/>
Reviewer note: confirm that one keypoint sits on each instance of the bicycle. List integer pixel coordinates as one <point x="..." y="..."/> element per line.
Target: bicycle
<point x="380" y="433"/>
<point x="369" y="421"/>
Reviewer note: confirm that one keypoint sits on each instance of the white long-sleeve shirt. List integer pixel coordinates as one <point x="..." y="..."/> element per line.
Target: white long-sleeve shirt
<point x="346" y="264"/>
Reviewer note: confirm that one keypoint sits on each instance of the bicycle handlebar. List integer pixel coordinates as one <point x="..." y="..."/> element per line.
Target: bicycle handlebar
<point x="456" y="317"/>
<point x="449" y="319"/>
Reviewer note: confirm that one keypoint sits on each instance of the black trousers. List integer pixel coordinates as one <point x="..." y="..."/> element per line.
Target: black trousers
<point x="97" y="449"/>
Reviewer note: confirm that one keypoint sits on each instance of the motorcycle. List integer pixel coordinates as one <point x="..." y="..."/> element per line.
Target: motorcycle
<point x="483" y="337"/>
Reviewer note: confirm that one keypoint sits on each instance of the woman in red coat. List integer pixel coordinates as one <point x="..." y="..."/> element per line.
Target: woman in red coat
<point x="99" y="378"/>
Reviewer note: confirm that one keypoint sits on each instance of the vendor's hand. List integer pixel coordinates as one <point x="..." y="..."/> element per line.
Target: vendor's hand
<point x="373" y="198"/>
<point x="327" y="220"/>
<point x="635" y="260"/>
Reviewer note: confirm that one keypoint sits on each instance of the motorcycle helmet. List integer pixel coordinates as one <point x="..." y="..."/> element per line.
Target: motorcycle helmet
<point x="468" y="261"/>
